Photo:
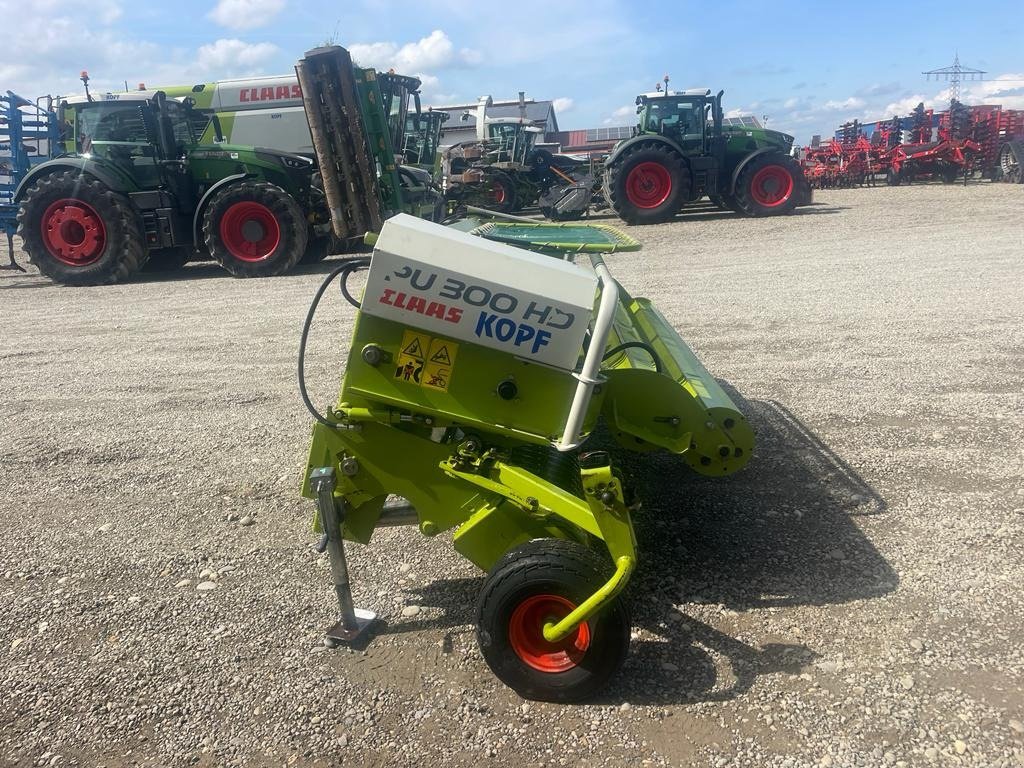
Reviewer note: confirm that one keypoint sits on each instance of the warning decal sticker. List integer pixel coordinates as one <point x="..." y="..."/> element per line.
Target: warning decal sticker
<point x="410" y="360"/>
<point x="426" y="361"/>
<point x="437" y="372"/>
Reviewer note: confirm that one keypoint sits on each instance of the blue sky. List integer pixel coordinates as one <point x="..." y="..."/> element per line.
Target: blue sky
<point x="807" y="66"/>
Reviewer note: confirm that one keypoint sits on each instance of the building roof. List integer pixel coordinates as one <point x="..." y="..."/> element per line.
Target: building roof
<point x="537" y="111"/>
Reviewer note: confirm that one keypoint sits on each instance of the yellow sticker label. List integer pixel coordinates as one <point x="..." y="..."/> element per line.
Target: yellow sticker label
<point x="413" y="352"/>
<point x="437" y="370"/>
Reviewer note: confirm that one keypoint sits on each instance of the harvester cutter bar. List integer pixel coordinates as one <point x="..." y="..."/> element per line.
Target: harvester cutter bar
<point x="330" y="98"/>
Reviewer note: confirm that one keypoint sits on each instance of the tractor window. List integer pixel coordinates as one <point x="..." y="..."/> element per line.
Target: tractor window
<point x="180" y="123"/>
<point x="682" y="117"/>
<point x="118" y="123"/>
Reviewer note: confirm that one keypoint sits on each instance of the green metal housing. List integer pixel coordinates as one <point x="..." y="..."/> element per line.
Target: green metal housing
<point x="476" y="458"/>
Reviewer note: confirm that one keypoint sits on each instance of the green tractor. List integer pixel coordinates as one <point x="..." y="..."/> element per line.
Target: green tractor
<point x="135" y="184"/>
<point x="680" y="151"/>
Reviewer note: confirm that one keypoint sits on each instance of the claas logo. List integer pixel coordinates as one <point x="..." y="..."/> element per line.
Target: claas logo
<point x="277" y="93"/>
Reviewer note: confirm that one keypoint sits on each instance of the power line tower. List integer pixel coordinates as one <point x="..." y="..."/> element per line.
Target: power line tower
<point x="954" y="74"/>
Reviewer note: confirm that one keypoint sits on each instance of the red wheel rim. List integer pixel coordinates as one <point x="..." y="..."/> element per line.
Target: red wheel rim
<point x="648" y="185"/>
<point x="526" y="634"/>
<point x="73" y="232"/>
<point x="771" y="186"/>
<point x="250" y="231"/>
<point x="498" y="192"/>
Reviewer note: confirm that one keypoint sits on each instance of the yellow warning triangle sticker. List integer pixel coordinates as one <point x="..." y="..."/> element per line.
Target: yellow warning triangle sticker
<point x="441" y="356"/>
<point x="415" y="349"/>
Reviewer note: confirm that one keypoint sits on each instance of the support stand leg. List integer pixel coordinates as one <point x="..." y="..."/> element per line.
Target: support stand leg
<point x="354" y="622"/>
<point x="10" y="254"/>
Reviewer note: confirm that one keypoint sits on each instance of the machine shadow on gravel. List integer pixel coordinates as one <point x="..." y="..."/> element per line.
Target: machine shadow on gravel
<point x="778" y="534"/>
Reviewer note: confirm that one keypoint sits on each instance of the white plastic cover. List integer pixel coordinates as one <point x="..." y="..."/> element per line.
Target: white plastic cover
<point x="435" y="278"/>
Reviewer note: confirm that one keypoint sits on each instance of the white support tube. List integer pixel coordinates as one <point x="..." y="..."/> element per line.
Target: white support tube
<point x="589" y="377"/>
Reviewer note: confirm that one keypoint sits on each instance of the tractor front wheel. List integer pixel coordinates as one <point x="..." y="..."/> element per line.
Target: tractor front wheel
<point x="768" y="185"/>
<point x="647" y="184"/>
<point x="77" y="231"/>
<point x="540" y="582"/>
<point x="254" y="229"/>
<point x="499" y="192"/>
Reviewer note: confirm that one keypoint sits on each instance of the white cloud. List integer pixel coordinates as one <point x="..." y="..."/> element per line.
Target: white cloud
<point x="624" y="111"/>
<point x="232" y="56"/>
<point x="435" y="51"/>
<point x="245" y="14"/>
<point x="563" y="104"/>
<point x="853" y="102"/>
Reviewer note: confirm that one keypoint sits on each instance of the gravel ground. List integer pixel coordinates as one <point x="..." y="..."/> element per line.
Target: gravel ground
<point x="852" y="598"/>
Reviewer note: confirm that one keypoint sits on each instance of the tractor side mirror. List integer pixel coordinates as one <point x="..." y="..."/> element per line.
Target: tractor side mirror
<point x="638" y="102"/>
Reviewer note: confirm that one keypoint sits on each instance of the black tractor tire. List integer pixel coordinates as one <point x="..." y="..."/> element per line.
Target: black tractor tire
<point x="769" y="185"/>
<point x="254" y="229"/>
<point x="893" y="177"/>
<point x="539" y="581"/>
<point x="317" y="249"/>
<point x="499" y="192"/>
<point x="77" y="231"/>
<point x="647" y="184"/>
<point x="724" y="200"/>
<point x="169" y="259"/>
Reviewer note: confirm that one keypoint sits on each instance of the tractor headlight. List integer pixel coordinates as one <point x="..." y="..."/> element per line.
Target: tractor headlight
<point x="296" y="161"/>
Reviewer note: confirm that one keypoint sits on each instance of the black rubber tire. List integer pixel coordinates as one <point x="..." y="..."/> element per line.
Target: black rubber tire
<point x="124" y="250"/>
<point x="617" y="175"/>
<point x="725" y="201"/>
<point x="746" y="202"/>
<point x="169" y="259"/>
<point x="949" y="173"/>
<point x="893" y="178"/>
<point x="292" y="225"/>
<point x="317" y="249"/>
<point x="568" y="570"/>
<point x="492" y="182"/>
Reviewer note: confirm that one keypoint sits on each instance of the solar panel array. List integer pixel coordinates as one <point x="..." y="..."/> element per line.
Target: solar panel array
<point x="748" y="120"/>
<point x="609" y="134"/>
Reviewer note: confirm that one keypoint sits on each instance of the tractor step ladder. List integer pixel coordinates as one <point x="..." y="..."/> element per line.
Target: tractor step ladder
<point x="28" y="135"/>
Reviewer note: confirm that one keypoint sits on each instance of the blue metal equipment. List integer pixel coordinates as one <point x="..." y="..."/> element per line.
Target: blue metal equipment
<point x="29" y="134"/>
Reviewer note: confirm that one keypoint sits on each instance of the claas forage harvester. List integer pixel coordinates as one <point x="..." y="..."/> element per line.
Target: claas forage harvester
<point x="477" y="372"/>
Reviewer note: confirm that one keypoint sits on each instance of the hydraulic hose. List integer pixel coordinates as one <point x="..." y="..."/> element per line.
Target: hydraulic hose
<point x="344" y="270"/>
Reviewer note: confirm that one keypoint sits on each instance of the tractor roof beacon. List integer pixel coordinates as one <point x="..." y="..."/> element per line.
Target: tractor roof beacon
<point x="681" y="150"/>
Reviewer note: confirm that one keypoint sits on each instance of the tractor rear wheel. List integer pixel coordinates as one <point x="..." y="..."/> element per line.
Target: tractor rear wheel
<point x="647" y="184"/>
<point x="254" y="229"/>
<point x="77" y="231"/>
<point x="541" y="581"/>
<point x="768" y="185"/>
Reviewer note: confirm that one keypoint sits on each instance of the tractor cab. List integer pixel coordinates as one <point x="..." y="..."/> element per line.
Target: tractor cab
<point x="691" y="119"/>
<point x="396" y="93"/>
<point x="422" y="137"/>
<point x="511" y="139"/>
<point x="139" y="132"/>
